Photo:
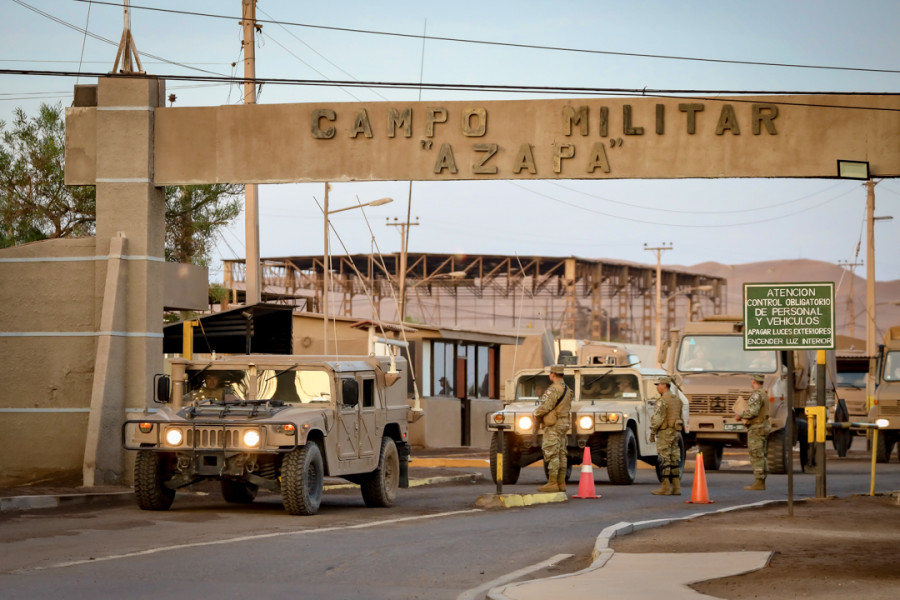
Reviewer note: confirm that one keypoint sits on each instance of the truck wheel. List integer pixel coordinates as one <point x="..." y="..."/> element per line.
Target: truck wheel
<point x="511" y="466"/>
<point x="885" y="445"/>
<point x="379" y="488"/>
<point x="682" y="453"/>
<point x="778" y="452"/>
<point x="238" y="492"/>
<point x="622" y="458"/>
<point x="149" y="473"/>
<point x="302" y="480"/>
<point x="712" y="456"/>
<point x="841" y="439"/>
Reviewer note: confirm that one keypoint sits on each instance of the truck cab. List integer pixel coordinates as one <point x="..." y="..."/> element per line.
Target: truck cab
<point x="886" y="404"/>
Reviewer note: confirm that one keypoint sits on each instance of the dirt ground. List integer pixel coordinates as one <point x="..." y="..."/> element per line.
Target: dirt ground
<point x="824" y="551"/>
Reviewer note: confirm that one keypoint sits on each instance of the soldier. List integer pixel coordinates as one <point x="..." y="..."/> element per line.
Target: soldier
<point x="212" y="388"/>
<point x="556" y="404"/>
<point x="665" y="426"/>
<point x="756" y="418"/>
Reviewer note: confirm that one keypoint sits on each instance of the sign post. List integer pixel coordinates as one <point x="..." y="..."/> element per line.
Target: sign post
<point x="793" y="316"/>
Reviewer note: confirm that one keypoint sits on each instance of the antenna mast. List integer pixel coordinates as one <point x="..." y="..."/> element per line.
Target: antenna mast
<point x="127" y="50"/>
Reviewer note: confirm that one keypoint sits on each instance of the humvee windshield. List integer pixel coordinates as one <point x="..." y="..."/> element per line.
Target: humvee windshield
<point x="596" y="387"/>
<point x="287" y="386"/>
<point x="892" y="366"/>
<point x="722" y="353"/>
<point x="852" y="373"/>
<point x="532" y="387"/>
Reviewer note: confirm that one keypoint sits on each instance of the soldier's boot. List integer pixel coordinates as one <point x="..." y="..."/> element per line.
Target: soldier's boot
<point x="758" y="486"/>
<point x="664" y="488"/>
<point x="676" y="486"/>
<point x="561" y="480"/>
<point x="551" y="485"/>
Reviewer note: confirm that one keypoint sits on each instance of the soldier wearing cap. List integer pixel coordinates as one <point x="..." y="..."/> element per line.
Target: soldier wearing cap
<point x="554" y="410"/>
<point x="665" y="427"/>
<point x="756" y="418"/>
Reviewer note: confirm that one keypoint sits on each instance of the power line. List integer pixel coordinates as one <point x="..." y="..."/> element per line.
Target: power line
<point x="508" y="44"/>
<point x="708" y="95"/>
<point x="103" y="39"/>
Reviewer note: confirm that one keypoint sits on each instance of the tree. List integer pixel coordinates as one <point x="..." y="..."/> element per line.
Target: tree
<point x="36" y="204"/>
<point x="194" y="215"/>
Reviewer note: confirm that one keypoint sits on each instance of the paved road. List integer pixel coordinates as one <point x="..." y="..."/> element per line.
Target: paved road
<point x="432" y="544"/>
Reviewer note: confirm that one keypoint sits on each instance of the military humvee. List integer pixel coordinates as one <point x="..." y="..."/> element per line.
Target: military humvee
<point x="611" y="413"/>
<point x="886" y="406"/>
<point x="282" y="423"/>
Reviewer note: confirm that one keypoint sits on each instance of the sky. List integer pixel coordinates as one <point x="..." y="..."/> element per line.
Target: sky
<point x="731" y="221"/>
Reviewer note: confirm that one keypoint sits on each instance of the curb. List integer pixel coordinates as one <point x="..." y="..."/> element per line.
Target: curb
<point x="21" y="503"/>
<point x="518" y="500"/>
<point x="38" y="502"/>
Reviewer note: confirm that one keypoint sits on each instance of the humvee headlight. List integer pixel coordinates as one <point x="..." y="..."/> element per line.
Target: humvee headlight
<point x="882" y="423"/>
<point x="586" y="422"/>
<point x="613" y="417"/>
<point x="145" y="427"/>
<point x="498" y="418"/>
<point x="525" y="423"/>
<point x="251" y="438"/>
<point x="174" y="437"/>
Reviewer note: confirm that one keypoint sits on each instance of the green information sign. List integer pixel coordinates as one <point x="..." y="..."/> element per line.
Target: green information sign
<point x="789" y="316"/>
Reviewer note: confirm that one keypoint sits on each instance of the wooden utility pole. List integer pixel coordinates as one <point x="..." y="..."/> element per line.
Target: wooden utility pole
<point x="401" y="274"/>
<point x="659" y="250"/>
<point x="127" y="50"/>
<point x="870" y="292"/>
<point x="850" y="265"/>
<point x="251" y="202"/>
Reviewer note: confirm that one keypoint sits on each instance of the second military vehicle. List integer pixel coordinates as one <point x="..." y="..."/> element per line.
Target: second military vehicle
<point x="611" y="412"/>
<point x="281" y="423"/>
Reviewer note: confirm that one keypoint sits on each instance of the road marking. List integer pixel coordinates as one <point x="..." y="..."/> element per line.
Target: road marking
<point x="479" y="592"/>
<point x="244" y="538"/>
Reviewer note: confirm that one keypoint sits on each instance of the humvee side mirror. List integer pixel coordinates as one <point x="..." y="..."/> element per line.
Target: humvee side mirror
<point x="663" y="352"/>
<point x="162" y="384"/>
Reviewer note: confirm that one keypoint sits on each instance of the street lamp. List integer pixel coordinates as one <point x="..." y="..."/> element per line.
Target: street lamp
<point x="325" y="267"/>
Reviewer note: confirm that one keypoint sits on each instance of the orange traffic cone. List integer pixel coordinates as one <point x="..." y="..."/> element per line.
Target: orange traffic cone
<point x="586" y="483"/>
<point x="699" y="495"/>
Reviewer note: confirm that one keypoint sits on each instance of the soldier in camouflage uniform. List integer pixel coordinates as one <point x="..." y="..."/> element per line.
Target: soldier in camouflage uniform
<point x="756" y="418"/>
<point x="665" y="427"/>
<point x="212" y="388"/>
<point x="558" y="399"/>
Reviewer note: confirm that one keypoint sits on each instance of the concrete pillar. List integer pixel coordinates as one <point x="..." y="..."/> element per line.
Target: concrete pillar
<point x="130" y="244"/>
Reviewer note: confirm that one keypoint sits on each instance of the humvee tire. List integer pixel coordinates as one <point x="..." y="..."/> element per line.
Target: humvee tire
<point x="712" y="456"/>
<point x="622" y="457"/>
<point x="149" y="474"/>
<point x="302" y="480"/>
<point x="779" y="453"/>
<point x="379" y="488"/>
<point x="238" y="492"/>
<point x="885" y="445"/>
<point x="511" y="468"/>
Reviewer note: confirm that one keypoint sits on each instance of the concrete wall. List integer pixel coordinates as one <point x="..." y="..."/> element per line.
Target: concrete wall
<point x="48" y="342"/>
<point x="441" y="425"/>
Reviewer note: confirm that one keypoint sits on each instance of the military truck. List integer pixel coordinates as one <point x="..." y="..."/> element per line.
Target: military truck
<point x="886" y="405"/>
<point x="611" y="413"/>
<point x="281" y="423"/>
<point x="708" y="360"/>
